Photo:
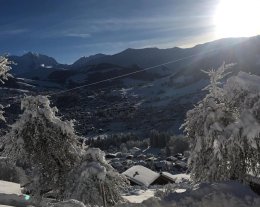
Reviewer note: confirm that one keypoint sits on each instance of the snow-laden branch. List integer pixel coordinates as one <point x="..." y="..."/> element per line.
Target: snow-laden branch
<point x="224" y="128"/>
<point x="4" y="75"/>
<point x="5" y="68"/>
<point x="54" y="160"/>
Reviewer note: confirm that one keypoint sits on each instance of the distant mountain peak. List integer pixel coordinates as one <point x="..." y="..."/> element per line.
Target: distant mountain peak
<point x="85" y="59"/>
<point x="31" y="61"/>
<point x="35" y="54"/>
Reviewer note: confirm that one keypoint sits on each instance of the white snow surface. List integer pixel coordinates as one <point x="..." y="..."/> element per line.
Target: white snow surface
<point x="9" y="195"/>
<point x="178" y="178"/>
<point x="9" y="188"/>
<point x="138" y="196"/>
<point x="225" y="194"/>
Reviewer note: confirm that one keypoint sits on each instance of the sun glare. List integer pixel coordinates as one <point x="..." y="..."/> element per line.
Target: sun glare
<point x="237" y="18"/>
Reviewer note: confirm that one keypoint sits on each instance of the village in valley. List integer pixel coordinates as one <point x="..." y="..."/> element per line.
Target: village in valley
<point x="138" y="103"/>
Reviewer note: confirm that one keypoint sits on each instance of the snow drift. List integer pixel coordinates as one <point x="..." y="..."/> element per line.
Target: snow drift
<point x="225" y="194"/>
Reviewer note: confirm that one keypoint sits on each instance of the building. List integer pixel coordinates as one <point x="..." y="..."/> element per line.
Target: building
<point x="140" y="175"/>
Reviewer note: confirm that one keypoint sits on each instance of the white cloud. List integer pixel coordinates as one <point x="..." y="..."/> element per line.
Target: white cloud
<point x="82" y="35"/>
<point x="12" y="32"/>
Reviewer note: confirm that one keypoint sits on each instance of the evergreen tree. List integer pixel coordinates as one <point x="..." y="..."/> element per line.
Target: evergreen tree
<point x="224" y="129"/>
<point x="45" y="143"/>
<point x="4" y="75"/>
<point x="94" y="181"/>
<point x="4" y="69"/>
<point x="54" y="159"/>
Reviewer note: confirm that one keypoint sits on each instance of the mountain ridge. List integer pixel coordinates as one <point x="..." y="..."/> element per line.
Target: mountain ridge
<point x="157" y="98"/>
<point x="144" y="57"/>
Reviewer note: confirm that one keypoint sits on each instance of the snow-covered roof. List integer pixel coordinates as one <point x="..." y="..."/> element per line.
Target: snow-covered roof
<point x="176" y="178"/>
<point x="181" y="164"/>
<point x="141" y="175"/>
<point x="136" y="149"/>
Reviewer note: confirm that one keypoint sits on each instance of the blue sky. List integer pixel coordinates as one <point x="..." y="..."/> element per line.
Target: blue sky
<point x="69" y="29"/>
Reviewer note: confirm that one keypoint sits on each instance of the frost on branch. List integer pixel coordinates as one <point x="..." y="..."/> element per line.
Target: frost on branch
<point x="41" y="140"/>
<point x="2" y="113"/>
<point x="53" y="160"/>
<point x="4" y="69"/>
<point x="216" y="76"/>
<point x="96" y="174"/>
<point x="224" y="129"/>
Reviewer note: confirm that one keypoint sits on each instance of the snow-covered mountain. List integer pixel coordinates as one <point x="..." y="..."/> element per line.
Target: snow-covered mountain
<point x="85" y="60"/>
<point x="31" y="61"/>
<point x="244" y="51"/>
<point x="155" y="99"/>
<point x="148" y="57"/>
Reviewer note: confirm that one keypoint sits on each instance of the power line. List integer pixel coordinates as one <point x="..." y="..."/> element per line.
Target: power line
<point x="135" y="72"/>
<point x="125" y="75"/>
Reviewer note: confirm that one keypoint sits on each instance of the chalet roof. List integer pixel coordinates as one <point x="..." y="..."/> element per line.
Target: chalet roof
<point x="169" y="176"/>
<point x="176" y="178"/>
<point x="141" y="175"/>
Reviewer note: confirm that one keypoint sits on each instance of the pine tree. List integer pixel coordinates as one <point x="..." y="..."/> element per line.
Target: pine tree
<point x="55" y="160"/>
<point x="224" y="129"/>
<point x="45" y="143"/>
<point x="94" y="181"/>
<point x="4" y="75"/>
<point x="4" y="69"/>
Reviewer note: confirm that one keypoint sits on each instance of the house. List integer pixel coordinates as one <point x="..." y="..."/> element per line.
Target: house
<point x="163" y="165"/>
<point x="140" y="175"/>
<point x="180" y="165"/>
<point x="141" y="157"/>
<point x="177" y="178"/>
<point x="171" y="158"/>
<point x="110" y="156"/>
<point x="129" y="157"/>
<point x="135" y="150"/>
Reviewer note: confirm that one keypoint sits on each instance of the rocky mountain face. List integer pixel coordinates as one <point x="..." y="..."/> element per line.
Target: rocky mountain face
<point x="85" y="60"/>
<point x="157" y="98"/>
<point x="30" y="62"/>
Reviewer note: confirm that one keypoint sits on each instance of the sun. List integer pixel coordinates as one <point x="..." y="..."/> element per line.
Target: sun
<point x="237" y="18"/>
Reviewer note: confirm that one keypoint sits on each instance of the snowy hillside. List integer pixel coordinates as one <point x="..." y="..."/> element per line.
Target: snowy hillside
<point x="164" y="93"/>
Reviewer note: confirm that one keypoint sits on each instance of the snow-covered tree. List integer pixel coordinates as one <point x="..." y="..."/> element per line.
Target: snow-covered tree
<point x="94" y="181"/>
<point x="4" y="69"/>
<point x="2" y="113"/>
<point x="223" y="129"/>
<point x="44" y="142"/>
<point x="53" y="159"/>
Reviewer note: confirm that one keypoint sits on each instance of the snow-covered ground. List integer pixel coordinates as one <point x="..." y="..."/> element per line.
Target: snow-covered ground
<point x="11" y="195"/>
<point x="9" y="188"/>
<point x="226" y="194"/>
<point x="138" y="195"/>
